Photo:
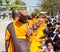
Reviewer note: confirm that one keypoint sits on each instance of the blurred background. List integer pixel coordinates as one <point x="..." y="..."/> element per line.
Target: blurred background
<point x="48" y="7"/>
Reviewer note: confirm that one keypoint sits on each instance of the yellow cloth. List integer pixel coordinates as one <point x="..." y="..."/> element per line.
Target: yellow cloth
<point x="35" y="43"/>
<point x="34" y="21"/>
<point x="37" y="20"/>
<point x="30" y="23"/>
<point x="20" y="30"/>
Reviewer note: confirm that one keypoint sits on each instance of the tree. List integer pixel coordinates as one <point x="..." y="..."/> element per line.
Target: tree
<point x="14" y="5"/>
<point x="17" y="3"/>
<point x="0" y="2"/>
<point x="37" y="11"/>
<point x="7" y="2"/>
<point x="50" y="5"/>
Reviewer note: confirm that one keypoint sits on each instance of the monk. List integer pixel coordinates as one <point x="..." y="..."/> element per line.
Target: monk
<point x="8" y="39"/>
<point x="19" y="33"/>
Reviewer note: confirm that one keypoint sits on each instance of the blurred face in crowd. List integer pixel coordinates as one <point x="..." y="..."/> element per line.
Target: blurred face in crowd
<point x="58" y="30"/>
<point x="49" y="46"/>
<point x="57" y="33"/>
<point x="41" y="19"/>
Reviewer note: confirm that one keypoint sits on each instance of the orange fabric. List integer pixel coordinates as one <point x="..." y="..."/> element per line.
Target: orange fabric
<point x="20" y="29"/>
<point x="30" y="23"/>
<point x="7" y="37"/>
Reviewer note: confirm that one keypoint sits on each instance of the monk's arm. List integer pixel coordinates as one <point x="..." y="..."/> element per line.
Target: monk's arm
<point x="28" y="34"/>
<point x="7" y="39"/>
<point x="43" y="39"/>
<point x="7" y="45"/>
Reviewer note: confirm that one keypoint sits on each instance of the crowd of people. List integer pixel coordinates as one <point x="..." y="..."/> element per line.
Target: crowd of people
<point x="32" y="33"/>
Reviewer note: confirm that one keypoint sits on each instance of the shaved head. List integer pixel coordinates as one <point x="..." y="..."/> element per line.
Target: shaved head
<point x="24" y="12"/>
<point x="23" y="16"/>
<point x="15" y="13"/>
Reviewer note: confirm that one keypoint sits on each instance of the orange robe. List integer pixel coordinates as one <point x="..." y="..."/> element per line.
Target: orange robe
<point x="20" y="30"/>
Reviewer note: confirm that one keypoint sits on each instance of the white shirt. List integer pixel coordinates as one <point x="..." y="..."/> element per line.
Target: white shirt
<point x="52" y="50"/>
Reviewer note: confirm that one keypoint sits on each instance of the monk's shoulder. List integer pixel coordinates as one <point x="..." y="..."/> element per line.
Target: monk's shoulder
<point x="9" y="24"/>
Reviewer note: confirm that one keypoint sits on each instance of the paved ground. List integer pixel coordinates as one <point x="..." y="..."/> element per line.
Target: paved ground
<point x="3" y="25"/>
